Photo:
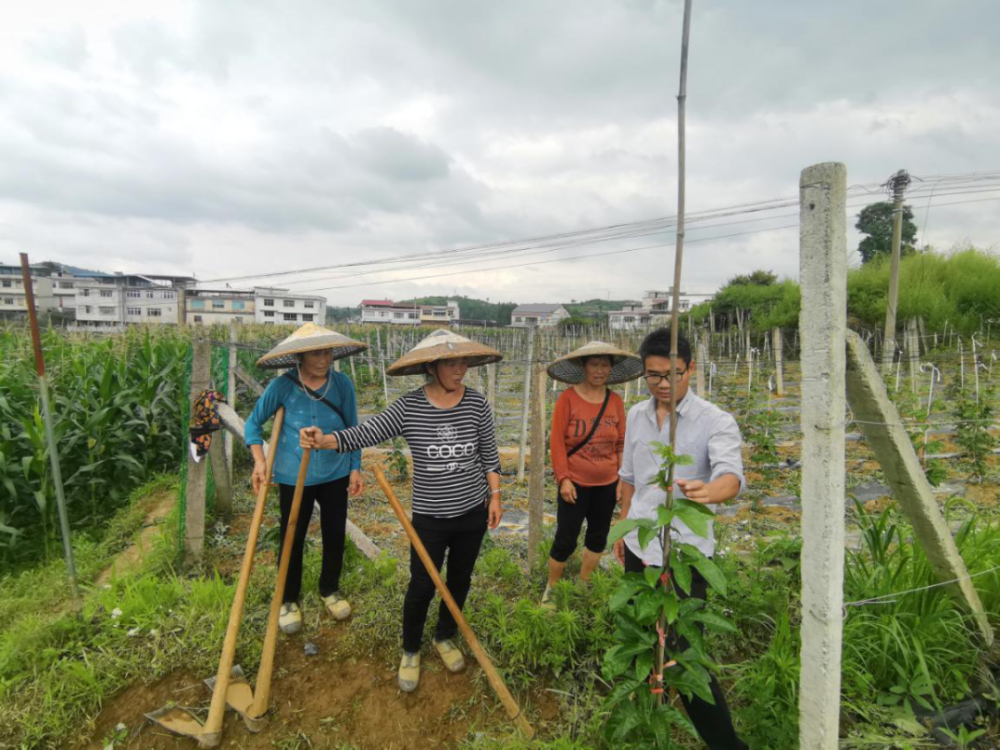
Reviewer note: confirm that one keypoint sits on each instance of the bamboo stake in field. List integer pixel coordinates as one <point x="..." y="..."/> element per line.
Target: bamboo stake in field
<point x="675" y="317"/>
<point x="496" y="682"/>
<point x="50" y="437"/>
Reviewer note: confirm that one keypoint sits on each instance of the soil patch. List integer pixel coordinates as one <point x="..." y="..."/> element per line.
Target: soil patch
<point x="326" y="700"/>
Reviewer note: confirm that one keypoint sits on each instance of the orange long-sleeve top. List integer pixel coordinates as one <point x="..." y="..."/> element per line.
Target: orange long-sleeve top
<point x="597" y="463"/>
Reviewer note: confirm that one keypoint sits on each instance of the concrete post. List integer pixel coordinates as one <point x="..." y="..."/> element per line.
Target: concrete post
<point x="220" y="473"/>
<point x="823" y="322"/>
<point x="491" y="386"/>
<point x="913" y="350"/>
<point x="231" y="395"/>
<point x="779" y="362"/>
<point x="197" y="471"/>
<point x="539" y="447"/>
<point x="886" y="436"/>
<point x="702" y="359"/>
<point x="525" y="403"/>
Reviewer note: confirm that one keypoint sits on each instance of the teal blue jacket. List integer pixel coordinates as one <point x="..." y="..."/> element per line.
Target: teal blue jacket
<point x="302" y="411"/>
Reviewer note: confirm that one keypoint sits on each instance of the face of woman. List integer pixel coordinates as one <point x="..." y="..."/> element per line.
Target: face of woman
<point x="317" y="364"/>
<point x="451" y="372"/>
<point x="597" y="370"/>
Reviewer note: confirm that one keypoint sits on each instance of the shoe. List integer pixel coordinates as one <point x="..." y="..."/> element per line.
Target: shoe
<point x="337" y="606"/>
<point x="450" y="655"/>
<point x="409" y="672"/>
<point x="547" y="602"/>
<point x="290" y="618"/>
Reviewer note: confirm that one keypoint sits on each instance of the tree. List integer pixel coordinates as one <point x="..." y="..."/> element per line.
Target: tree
<point x="759" y="277"/>
<point x="876" y="222"/>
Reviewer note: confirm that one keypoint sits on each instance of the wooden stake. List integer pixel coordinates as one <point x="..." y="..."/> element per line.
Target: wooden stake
<point x="524" y="406"/>
<point x="496" y="682"/>
<point x="539" y="447"/>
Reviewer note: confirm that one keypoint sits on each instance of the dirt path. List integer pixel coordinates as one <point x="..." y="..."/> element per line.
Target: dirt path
<point x="317" y="701"/>
<point x="131" y="557"/>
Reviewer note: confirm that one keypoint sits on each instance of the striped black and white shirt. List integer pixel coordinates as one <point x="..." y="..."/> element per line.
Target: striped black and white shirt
<point x="453" y="449"/>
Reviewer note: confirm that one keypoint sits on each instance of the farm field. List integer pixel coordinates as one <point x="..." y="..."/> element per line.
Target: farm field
<point x="82" y="674"/>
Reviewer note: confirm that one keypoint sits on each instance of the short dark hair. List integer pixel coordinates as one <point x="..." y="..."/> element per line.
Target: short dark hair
<point x="657" y="344"/>
<point x="585" y="360"/>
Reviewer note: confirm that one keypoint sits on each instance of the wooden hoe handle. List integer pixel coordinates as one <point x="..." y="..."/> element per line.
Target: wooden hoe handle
<point x="513" y="709"/>
<point x="213" y="725"/>
<point x="262" y="693"/>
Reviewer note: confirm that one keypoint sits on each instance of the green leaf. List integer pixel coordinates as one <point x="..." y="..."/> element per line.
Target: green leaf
<point x="664" y="515"/>
<point x="622" y="528"/>
<point x="623" y="594"/>
<point x="646" y="535"/>
<point x="694" y="521"/>
<point x="644" y="664"/>
<point x="652" y="575"/>
<point x="671" y="606"/>
<point x="647" y="606"/>
<point x="714" y="621"/>
<point x="682" y="575"/>
<point x="711" y="572"/>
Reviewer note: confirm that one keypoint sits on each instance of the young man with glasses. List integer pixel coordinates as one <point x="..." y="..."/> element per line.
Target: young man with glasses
<point x="711" y="437"/>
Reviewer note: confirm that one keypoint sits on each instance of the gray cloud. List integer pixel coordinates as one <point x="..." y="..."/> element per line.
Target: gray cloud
<point x="231" y="134"/>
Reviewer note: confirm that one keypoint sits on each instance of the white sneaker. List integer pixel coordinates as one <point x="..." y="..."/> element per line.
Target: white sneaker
<point x="409" y="672"/>
<point x="290" y="618"/>
<point x="547" y="602"/>
<point x="337" y="606"/>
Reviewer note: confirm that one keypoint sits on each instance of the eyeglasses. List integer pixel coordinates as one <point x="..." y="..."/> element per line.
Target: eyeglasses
<point x="655" y="378"/>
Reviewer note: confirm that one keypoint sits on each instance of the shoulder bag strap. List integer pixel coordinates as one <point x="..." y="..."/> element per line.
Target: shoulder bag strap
<point x="593" y="429"/>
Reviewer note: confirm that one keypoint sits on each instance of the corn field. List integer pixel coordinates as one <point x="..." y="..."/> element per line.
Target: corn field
<point x="116" y="412"/>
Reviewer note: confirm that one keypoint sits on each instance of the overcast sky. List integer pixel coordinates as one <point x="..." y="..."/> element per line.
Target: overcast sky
<point x="227" y="138"/>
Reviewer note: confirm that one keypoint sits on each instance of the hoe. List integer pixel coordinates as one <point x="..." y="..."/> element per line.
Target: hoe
<point x="230" y="687"/>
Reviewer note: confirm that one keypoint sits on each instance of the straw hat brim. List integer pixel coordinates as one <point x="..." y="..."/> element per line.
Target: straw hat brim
<point x="309" y="338"/>
<point x="625" y="366"/>
<point x="451" y="346"/>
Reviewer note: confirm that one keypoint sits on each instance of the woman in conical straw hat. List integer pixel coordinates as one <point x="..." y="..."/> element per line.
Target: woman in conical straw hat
<point x="312" y="394"/>
<point x="587" y="438"/>
<point x="456" y="479"/>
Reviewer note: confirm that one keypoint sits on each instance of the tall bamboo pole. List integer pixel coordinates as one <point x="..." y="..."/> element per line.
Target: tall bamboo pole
<point x="50" y="436"/>
<point x="674" y="307"/>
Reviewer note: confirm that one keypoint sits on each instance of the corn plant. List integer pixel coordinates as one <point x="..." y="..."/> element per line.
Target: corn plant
<point x="636" y="709"/>
<point x="116" y="420"/>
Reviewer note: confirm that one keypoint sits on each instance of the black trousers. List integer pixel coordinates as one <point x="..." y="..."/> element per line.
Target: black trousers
<point x="332" y="499"/>
<point x="713" y="723"/>
<point x="597" y="506"/>
<point x="460" y="538"/>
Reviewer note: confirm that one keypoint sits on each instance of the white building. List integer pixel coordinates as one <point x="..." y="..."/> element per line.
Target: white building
<point x="218" y="306"/>
<point x="116" y="300"/>
<point x="387" y="311"/>
<point x="629" y="318"/>
<point x="654" y="310"/>
<point x="279" y="306"/>
<point x="13" y="298"/>
<point x="538" y="315"/>
<point x="445" y="314"/>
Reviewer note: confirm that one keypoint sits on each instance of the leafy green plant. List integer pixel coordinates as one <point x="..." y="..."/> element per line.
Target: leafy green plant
<point x="646" y="607"/>
<point x="974" y="417"/>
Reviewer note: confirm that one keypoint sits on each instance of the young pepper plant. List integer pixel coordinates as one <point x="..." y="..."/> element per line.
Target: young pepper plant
<point x="650" y="612"/>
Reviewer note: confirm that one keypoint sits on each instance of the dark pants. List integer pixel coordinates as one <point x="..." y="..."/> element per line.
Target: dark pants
<point x="713" y="723"/>
<point x="332" y="499"/>
<point x="597" y="505"/>
<point x="461" y="539"/>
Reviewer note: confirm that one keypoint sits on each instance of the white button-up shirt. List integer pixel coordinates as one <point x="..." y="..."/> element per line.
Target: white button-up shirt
<point x="706" y="433"/>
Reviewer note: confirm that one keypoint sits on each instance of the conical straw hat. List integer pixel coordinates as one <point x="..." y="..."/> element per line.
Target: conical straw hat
<point x="309" y="338"/>
<point x="443" y="344"/>
<point x="625" y="366"/>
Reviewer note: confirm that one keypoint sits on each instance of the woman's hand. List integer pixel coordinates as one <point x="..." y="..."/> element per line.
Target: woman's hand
<point x="495" y="511"/>
<point x="313" y="438"/>
<point x="259" y="476"/>
<point x="619" y="549"/>
<point x="567" y="491"/>
<point x="356" y="485"/>
<point x="618" y="493"/>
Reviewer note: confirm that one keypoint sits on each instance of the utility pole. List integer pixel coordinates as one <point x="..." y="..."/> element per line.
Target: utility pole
<point x="898" y="184"/>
